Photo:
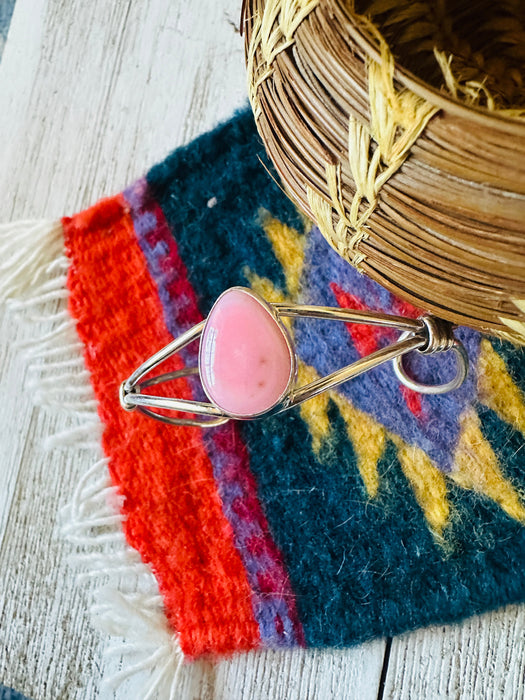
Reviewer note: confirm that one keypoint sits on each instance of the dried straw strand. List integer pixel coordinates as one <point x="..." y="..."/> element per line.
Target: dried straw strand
<point x="422" y="191"/>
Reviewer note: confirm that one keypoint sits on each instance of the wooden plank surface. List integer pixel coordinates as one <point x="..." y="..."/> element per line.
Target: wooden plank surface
<point x="482" y="658"/>
<point x="91" y="95"/>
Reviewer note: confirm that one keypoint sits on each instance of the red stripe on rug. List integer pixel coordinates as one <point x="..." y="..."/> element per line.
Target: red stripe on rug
<point x="172" y="510"/>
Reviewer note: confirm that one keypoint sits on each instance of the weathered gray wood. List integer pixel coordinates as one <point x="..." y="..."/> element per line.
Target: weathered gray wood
<point x="91" y="95"/>
<point x="301" y="675"/>
<point x="482" y="658"/>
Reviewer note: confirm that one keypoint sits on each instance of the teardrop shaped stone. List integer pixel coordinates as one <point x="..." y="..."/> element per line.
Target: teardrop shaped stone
<point x="244" y="359"/>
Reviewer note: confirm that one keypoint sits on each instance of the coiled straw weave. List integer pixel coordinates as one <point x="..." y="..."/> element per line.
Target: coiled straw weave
<point x="399" y="128"/>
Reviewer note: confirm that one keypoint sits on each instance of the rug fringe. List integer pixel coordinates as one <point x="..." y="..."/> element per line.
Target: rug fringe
<point x="27" y="250"/>
<point x="126" y="603"/>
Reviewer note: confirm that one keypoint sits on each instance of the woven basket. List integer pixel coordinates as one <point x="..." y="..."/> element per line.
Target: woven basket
<point x="398" y="127"/>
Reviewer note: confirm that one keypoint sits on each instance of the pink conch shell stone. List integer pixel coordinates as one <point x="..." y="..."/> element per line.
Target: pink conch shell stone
<point x="244" y="359"/>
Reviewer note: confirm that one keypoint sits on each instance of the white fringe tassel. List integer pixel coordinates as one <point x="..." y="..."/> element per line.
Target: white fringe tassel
<point x="126" y="603"/>
<point x="27" y="251"/>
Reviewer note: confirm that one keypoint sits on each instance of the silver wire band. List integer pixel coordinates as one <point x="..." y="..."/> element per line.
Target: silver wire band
<point x="359" y="367"/>
<point x="131" y="400"/>
<point x="426" y="334"/>
<point x="372" y="318"/>
<point x="159" y="357"/>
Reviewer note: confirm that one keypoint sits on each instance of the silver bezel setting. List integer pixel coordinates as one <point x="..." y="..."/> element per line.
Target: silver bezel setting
<point x="271" y="310"/>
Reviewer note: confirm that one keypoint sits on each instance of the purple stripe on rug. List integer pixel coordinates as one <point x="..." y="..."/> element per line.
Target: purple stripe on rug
<point x="273" y="599"/>
<point x="436" y="426"/>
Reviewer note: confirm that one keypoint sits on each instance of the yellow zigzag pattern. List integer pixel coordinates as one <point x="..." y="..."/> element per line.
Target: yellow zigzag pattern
<point x="428" y="483"/>
<point x="368" y="438"/>
<point x="366" y="434"/>
<point x="289" y="248"/>
<point x="497" y="390"/>
<point x="476" y="466"/>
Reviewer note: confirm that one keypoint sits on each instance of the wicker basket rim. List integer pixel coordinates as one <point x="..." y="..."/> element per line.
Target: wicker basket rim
<point x="442" y="100"/>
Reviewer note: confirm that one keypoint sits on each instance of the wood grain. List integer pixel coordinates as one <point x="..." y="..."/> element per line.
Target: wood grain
<point x="91" y="95"/>
<point x="482" y="658"/>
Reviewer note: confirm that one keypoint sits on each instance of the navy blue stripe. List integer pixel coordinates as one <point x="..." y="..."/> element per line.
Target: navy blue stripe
<point x="218" y="243"/>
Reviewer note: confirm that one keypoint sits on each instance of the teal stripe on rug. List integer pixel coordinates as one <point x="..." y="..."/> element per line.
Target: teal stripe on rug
<point x="10" y="694"/>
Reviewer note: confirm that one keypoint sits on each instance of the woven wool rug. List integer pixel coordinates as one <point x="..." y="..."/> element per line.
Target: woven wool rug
<point x="367" y="511"/>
